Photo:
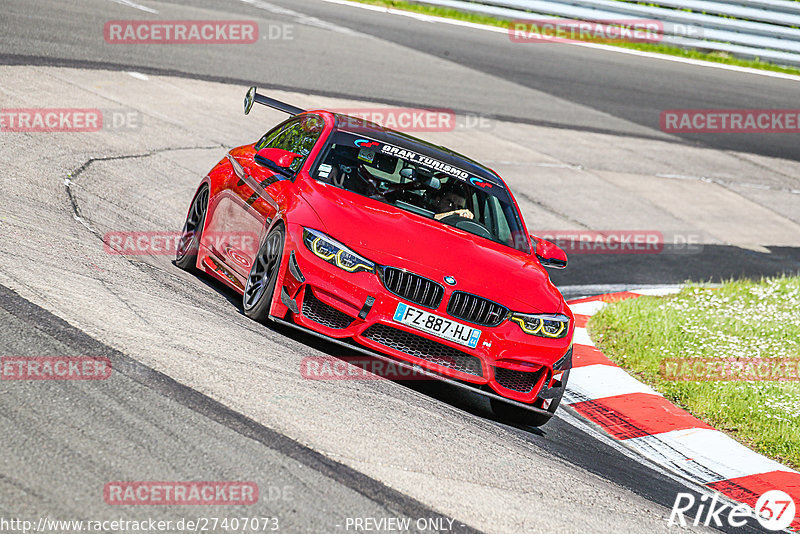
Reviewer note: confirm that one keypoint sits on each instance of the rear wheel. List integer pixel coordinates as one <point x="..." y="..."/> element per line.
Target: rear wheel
<point x="260" y="286"/>
<point x="186" y="254"/>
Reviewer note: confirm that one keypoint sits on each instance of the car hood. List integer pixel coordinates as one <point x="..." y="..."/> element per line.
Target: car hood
<point x="390" y="236"/>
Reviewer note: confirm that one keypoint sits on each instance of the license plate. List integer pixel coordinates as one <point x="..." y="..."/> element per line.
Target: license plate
<point x="437" y="326"/>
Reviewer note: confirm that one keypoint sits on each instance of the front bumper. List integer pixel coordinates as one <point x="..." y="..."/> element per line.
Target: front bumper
<point x="338" y="304"/>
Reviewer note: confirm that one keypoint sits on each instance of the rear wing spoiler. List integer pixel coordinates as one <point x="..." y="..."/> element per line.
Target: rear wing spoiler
<point x="253" y="96"/>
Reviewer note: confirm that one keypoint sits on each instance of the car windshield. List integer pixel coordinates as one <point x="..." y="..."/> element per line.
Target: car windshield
<point x="422" y="185"/>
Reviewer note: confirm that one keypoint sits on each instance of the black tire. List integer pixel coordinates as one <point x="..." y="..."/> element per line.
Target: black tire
<point x="260" y="286"/>
<point x="521" y="416"/>
<point x="186" y="253"/>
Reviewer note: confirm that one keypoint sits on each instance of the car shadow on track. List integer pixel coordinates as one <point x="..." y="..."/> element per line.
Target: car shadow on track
<point x="467" y="401"/>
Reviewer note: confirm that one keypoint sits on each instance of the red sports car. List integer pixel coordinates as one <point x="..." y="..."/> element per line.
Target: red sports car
<point x="412" y="251"/>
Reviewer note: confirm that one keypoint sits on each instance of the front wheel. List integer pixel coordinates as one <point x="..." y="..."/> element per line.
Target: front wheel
<point x="260" y="286"/>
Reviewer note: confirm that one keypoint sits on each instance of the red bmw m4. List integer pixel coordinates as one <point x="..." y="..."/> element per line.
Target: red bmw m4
<point x="397" y="247"/>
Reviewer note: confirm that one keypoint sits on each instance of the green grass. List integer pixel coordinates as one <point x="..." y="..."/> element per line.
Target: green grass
<point x="741" y="319"/>
<point x="716" y="57"/>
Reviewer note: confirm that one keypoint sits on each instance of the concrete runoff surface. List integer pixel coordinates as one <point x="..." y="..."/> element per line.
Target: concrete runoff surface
<point x="190" y="329"/>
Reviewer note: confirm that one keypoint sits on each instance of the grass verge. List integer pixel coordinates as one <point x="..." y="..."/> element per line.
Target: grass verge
<point x="740" y="320"/>
<point x="716" y="57"/>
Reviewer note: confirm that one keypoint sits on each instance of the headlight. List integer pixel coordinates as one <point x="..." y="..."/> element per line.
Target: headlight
<point x="542" y="324"/>
<point x="335" y="253"/>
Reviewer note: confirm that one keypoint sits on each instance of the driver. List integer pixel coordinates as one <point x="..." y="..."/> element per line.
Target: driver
<point x="452" y="202"/>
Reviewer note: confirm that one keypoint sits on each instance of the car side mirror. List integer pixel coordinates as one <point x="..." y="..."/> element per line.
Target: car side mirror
<point x="549" y="254"/>
<point x="277" y="160"/>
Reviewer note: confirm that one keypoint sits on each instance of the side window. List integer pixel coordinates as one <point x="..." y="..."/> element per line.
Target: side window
<point x="298" y="136"/>
<point x="270" y="136"/>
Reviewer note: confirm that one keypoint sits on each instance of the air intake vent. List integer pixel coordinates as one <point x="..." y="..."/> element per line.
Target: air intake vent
<point x="424" y="348"/>
<point x="321" y="313"/>
<point x="521" y="381"/>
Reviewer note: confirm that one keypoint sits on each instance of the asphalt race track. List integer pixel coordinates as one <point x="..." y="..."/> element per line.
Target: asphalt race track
<point x="200" y="392"/>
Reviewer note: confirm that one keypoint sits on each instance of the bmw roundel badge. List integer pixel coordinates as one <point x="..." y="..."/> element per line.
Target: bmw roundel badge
<point x="450" y="280"/>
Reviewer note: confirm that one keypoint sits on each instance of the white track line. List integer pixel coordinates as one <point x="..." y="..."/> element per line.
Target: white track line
<point x="135" y="5"/>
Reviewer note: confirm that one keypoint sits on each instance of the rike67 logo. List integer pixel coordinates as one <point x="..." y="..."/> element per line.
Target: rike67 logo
<point x="775" y="510"/>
